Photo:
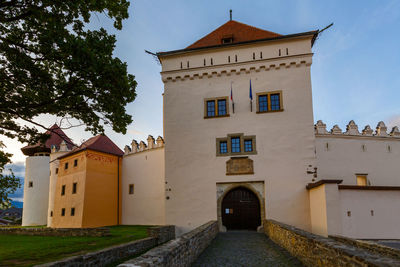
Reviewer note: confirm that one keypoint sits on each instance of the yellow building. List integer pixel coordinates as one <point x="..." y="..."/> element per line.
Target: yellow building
<point x="88" y="187"/>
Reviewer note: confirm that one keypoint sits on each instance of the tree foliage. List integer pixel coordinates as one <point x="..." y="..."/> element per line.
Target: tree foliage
<point x="50" y="63"/>
<point x="8" y="182"/>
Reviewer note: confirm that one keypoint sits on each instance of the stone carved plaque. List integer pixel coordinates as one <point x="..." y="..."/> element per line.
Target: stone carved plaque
<point x="239" y="166"/>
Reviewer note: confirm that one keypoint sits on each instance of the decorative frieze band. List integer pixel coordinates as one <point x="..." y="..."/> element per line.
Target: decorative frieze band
<point x="142" y="146"/>
<point x="228" y="70"/>
<point x="352" y="130"/>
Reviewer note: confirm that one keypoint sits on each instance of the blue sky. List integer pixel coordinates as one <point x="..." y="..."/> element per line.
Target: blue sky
<point x="355" y="71"/>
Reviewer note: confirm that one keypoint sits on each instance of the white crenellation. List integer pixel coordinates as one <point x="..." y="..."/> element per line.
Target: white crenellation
<point x="150" y="142"/>
<point x="127" y="150"/>
<point x="367" y="131"/>
<point x="135" y="146"/>
<point x="142" y="146"/>
<point x="395" y="132"/>
<point x="352" y="130"/>
<point x="320" y="128"/>
<point x="381" y="129"/>
<point x="63" y="146"/>
<point x="336" y="129"/>
<point x="160" y="141"/>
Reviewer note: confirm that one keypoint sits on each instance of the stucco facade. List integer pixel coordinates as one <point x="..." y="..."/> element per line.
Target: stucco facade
<point x="144" y="171"/>
<point x="283" y="138"/>
<point x="36" y="190"/>
<point x="95" y="200"/>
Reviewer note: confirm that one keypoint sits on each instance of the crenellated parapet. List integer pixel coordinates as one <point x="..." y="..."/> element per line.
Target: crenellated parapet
<point x="352" y="130"/>
<point x="142" y="146"/>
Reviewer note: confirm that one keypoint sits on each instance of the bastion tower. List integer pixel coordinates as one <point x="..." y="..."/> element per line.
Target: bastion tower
<point x="37" y="176"/>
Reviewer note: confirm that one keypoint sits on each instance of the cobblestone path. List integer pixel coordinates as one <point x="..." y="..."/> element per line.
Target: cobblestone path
<point x="244" y="248"/>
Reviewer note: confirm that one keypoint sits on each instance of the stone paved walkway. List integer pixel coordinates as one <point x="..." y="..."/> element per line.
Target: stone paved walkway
<point x="244" y="248"/>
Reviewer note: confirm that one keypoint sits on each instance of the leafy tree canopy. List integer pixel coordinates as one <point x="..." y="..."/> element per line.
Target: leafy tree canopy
<point x="50" y="63"/>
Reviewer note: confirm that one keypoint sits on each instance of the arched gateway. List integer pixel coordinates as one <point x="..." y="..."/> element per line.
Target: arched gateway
<point x="241" y="210"/>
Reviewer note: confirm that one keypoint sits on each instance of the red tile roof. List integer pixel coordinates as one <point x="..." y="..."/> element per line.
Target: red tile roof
<point x="56" y="137"/>
<point x="99" y="143"/>
<point x="239" y="31"/>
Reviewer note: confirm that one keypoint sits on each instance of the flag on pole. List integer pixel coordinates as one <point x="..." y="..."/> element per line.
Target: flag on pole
<point x="233" y="104"/>
<point x="231" y="93"/>
<point x="251" y="98"/>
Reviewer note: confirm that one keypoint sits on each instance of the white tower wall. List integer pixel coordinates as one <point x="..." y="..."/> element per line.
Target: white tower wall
<point x="36" y="197"/>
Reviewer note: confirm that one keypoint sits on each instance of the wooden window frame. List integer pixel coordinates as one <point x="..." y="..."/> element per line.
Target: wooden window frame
<point x="229" y="144"/>
<point x="215" y="99"/>
<point x="76" y="163"/>
<point x="268" y="94"/>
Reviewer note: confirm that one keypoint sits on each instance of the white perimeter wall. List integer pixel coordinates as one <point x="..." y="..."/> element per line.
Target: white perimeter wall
<point x="36" y="198"/>
<point x="146" y="171"/>
<point x="385" y="222"/>
<point x="345" y="157"/>
<point x="355" y="213"/>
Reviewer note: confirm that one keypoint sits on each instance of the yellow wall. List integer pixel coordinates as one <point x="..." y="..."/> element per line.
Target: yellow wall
<point x="67" y="177"/>
<point x="101" y="194"/>
<point x="96" y="200"/>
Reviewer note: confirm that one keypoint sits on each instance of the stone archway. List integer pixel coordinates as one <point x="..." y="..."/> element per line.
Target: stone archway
<point x="223" y="189"/>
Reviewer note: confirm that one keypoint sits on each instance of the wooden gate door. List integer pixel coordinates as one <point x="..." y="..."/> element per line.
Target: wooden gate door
<point x="241" y="210"/>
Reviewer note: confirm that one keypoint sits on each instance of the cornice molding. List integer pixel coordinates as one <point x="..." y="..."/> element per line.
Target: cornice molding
<point x="237" y="68"/>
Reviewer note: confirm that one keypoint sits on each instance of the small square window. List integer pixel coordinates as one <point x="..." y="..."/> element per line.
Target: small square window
<point x="63" y="190"/>
<point x="211" y="108"/>
<point x="248" y="145"/>
<point x="74" y="186"/>
<point x="66" y="166"/>
<point x="62" y="212"/>
<point x="56" y="170"/>
<point x="223" y="147"/>
<point x="235" y="143"/>
<point x="75" y="163"/>
<point x="72" y="211"/>
<point x="263" y="103"/>
<point x="30" y="184"/>
<point x="221" y="107"/>
<point x="131" y="189"/>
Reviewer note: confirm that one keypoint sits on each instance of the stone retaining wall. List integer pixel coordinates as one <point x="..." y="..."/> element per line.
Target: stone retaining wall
<point x="117" y="253"/>
<point x="369" y="245"/>
<point x="180" y="252"/>
<point x="45" y="231"/>
<point x="314" y="250"/>
<point x="162" y="233"/>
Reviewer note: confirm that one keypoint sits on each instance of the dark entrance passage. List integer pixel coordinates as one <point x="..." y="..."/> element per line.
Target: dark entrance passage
<point x="241" y="210"/>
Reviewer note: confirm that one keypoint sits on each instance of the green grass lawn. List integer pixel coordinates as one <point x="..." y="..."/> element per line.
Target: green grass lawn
<point x="24" y="250"/>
